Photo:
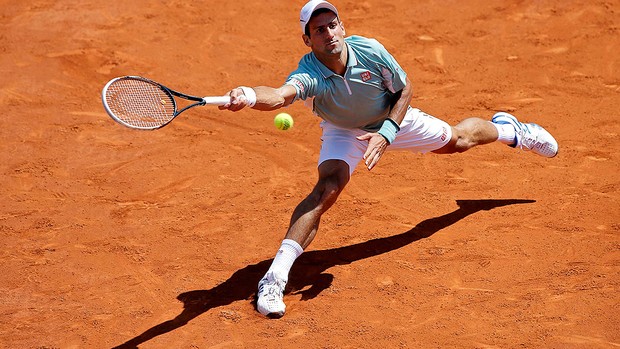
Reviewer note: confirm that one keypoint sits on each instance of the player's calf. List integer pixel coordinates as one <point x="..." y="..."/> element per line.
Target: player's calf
<point x="467" y="134"/>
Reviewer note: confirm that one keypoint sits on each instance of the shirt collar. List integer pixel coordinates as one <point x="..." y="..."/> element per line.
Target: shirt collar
<point x="351" y="62"/>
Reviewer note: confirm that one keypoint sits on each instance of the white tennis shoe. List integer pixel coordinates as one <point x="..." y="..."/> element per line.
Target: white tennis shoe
<point x="530" y="137"/>
<point x="270" y="294"/>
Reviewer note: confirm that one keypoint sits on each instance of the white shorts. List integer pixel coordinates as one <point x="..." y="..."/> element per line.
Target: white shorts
<point x="419" y="132"/>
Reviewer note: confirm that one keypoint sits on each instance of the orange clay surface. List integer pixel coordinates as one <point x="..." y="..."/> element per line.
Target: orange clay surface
<point x="112" y="237"/>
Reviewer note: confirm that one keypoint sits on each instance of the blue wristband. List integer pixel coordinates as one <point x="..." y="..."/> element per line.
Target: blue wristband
<point x="388" y="130"/>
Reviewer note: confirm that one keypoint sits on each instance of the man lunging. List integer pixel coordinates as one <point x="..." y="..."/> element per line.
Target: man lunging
<point x="362" y="94"/>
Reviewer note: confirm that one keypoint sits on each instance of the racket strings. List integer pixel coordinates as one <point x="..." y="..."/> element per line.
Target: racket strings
<point x="140" y="103"/>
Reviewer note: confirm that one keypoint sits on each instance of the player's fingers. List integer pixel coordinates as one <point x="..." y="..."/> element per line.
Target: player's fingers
<point x="237" y="100"/>
<point x="369" y="156"/>
<point x="364" y="137"/>
<point x="373" y="161"/>
<point x="227" y="105"/>
<point x="367" y="153"/>
<point x="236" y="92"/>
<point x="371" y="151"/>
<point x="375" y="151"/>
<point x="371" y="145"/>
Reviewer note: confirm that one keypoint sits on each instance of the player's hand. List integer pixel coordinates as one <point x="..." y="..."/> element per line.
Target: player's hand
<point x="376" y="147"/>
<point x="238" y="100"/>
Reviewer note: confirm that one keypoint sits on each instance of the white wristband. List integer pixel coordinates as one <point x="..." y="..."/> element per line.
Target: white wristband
<point x="250" y="95"/>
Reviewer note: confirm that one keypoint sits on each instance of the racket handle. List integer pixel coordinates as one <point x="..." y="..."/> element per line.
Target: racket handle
<point x="216" y="100"/>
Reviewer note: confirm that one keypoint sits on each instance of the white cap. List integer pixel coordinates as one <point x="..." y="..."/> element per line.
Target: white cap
<point x="308" y="10"/>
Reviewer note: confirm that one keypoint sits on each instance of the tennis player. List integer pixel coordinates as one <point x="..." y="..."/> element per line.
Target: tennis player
<point x="362" y="94"/>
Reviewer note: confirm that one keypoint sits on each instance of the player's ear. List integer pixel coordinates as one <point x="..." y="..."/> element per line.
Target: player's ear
<point x="306" y="40"/>
<point x="342" y="26"/>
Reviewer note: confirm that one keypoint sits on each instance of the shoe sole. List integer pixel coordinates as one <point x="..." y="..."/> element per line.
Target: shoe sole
<point x="275" y="315"/>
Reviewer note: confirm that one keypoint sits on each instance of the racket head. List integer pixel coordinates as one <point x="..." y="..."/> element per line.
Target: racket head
<point x="139" y="103"/>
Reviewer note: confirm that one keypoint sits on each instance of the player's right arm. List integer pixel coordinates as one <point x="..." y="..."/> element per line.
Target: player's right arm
<point x="264" y="97"/>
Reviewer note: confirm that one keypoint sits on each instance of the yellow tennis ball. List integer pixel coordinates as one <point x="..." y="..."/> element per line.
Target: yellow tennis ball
<point x="283" y="121"/>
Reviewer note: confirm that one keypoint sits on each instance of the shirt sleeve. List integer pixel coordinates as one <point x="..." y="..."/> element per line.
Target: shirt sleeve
<point x="305" y="84"/>
<point x="394" y="77"/>
<point x="305" y="79"/>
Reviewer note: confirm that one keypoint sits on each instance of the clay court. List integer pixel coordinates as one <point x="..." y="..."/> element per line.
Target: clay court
<point x="117" y="238"/>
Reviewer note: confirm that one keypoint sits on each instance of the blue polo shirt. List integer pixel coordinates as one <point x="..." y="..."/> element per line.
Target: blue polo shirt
<point x="359" y="99"/>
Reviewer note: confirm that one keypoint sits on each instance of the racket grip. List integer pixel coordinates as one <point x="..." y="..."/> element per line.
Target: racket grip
<point x="216" y="100"/>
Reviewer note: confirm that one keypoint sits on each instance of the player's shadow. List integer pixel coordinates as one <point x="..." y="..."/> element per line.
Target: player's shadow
<point x="309" y="269"/>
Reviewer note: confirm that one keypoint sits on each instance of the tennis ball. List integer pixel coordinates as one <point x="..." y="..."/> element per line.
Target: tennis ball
<point x="283" y="121"/>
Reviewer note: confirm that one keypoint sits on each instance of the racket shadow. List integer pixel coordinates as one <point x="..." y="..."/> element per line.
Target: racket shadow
<point x="308" y="275"/>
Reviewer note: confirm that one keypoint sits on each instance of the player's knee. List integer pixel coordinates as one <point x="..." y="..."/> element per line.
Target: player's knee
<point x="333" y="177"/>
<point x="463" y="144"/>
<point x="472" y="132"/>
<point x="459" y="142"/>
<point x="322" y="197"/>
<point x="328" y="189"/>
<point x="331" y="187"/>
<point x="334" y="174"/>
<point x="464" y="138"/>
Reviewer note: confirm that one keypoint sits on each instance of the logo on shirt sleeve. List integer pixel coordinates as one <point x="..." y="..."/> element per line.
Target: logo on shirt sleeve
<point x="365" y="76"/>
<point x="299" y="85"/>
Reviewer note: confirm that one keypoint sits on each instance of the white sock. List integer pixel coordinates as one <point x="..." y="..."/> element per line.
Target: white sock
<point x="507" y="133"/>
<point x="285" y="257"/>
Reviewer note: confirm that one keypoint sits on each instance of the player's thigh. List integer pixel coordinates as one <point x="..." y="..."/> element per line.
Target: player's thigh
<point x="422" y="133"/>
<point x="341" y="144"/>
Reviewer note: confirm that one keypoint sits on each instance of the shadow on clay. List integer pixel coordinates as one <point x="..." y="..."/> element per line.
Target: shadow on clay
<point x="309" y="269"/>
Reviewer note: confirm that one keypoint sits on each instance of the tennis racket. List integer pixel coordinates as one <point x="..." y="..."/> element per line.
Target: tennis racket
<point x="140" y="103"/>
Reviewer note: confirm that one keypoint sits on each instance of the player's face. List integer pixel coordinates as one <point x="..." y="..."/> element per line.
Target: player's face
<point x="326" y="34"/>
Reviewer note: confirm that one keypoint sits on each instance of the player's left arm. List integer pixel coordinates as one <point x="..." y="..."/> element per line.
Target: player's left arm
<point x="401" y="102"/>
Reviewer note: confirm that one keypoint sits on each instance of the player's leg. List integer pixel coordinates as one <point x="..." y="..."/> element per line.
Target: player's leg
<point x="333" y="176"/>
<point x="424" y="133"/>
<point x="340" y="153"/>
<point x="505" y="128"/>
<point x="468" y="134"/>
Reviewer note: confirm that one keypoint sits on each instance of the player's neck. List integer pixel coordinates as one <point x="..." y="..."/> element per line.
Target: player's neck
<point x="337" y="62"/>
